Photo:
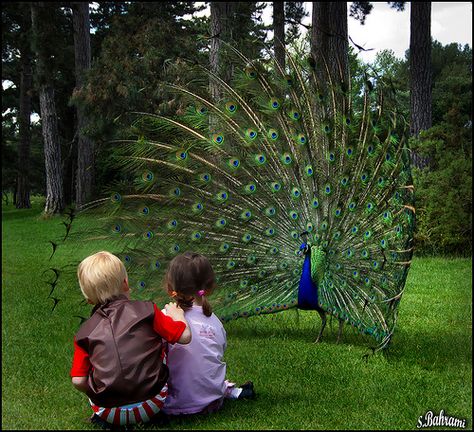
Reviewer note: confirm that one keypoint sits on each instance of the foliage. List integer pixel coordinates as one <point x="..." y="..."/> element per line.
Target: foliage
<point x="294" y="14"/>
<point x="137" y="49"/>
<point x="442" y="156"/>
<point x="444" y="185"/>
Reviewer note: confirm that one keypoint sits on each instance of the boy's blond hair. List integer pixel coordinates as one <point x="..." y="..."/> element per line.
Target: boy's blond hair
<point x="101" y="277"/>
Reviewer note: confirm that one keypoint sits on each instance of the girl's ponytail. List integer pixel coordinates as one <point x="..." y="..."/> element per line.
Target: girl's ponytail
<point x="183" y="302"/>
<point x="206" y="307"/>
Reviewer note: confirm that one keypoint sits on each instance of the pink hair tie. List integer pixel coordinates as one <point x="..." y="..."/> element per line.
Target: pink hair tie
<point x="201" y="292"/>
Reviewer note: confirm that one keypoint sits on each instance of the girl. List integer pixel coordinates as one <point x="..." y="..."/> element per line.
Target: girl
<point x="197" y="381"/>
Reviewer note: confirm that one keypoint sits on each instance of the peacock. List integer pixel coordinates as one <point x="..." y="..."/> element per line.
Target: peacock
<point x="298" y="191"/>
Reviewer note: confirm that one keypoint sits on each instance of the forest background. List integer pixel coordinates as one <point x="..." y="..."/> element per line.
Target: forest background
<point x="81" y="67"/>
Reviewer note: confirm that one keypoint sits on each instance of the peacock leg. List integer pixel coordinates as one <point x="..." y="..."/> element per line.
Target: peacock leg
<point x="339" y="333"/>
<point x="322" y="314"/>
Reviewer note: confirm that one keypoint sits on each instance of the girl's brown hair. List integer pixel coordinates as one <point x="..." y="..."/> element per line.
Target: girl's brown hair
<point x="187" y="274"/>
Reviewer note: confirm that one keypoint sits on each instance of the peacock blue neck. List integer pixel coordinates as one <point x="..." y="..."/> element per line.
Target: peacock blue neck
<point x="308" y="289"/>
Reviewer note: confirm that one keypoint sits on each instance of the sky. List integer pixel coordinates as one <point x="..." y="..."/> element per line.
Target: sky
<point x="385" y="28"/>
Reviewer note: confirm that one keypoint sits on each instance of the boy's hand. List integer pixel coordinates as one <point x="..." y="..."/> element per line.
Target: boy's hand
<point x="175" y="312"/>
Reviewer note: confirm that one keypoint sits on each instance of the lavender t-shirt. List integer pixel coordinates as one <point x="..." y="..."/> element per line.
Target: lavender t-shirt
<point x="196" y="370"/>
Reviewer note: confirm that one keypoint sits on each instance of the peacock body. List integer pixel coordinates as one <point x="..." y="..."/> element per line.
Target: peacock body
<point x="299" y="192"/>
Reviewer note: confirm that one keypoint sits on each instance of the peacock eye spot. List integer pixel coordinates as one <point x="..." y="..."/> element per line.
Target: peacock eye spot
<point x="261" y="159"/>
<point x="274" y="135"/>
<point x="275" y="105"/>
<point x="349" y="151"/>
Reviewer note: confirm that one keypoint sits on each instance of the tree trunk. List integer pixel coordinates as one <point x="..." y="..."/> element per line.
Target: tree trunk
<point x="49" y="125"/>
<point x="279" y="33"/>
<point x="329" y="42"/>
<point x="52" y="151"/>
<point x="85" y="148"/>
<point x="420" y="67"/>
<point x="221" y="28"/>
<point x="22" y="197"/>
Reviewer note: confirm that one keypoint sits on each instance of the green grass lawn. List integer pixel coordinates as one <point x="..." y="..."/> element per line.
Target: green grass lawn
<point x="300" y="385"/>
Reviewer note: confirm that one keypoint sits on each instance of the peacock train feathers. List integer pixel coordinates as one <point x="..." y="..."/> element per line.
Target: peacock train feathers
<point x="280" y="169"/>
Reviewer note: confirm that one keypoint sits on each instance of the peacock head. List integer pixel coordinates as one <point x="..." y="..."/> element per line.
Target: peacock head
<point x="305" y="246"/>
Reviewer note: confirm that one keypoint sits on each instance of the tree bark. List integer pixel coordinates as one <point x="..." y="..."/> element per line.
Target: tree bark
<point x="85" y="149"/>
<point x="221" y="28"/>
<point x="279" y="33"/>
<point x="22" y="196"/>
<point x="329" y="42"/>
<point x="420" y="67"/>
<point x="49" y="126"/>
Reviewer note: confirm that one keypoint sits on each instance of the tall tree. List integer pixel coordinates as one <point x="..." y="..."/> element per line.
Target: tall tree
<point x="279" y="32"/>
<point x="220" y="29"/>
<point x="16" y="101"/>
<point x="329" y="41"/>
<point x="420" y="67"/>
<point x="23" y="183"/>
<point x="85" y="146"/>
<point x="238" y="23"/>
<point x="43" y="33"/>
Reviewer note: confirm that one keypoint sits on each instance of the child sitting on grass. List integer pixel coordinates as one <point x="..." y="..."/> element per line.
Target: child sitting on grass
<point x="119" y="357"/>
<point x="197" y="381"/>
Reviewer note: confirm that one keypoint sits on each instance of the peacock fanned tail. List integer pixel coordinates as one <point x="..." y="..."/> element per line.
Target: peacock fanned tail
<point x="240" y="178"/>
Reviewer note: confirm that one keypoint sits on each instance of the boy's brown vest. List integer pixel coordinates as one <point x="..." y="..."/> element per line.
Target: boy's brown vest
<point x="125" y="353"/>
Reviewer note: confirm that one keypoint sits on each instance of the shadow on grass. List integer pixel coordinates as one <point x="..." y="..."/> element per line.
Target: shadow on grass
<point x="304" y="331"/>
<point x="431" y="351"/>
<point x="11" y="213"/>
